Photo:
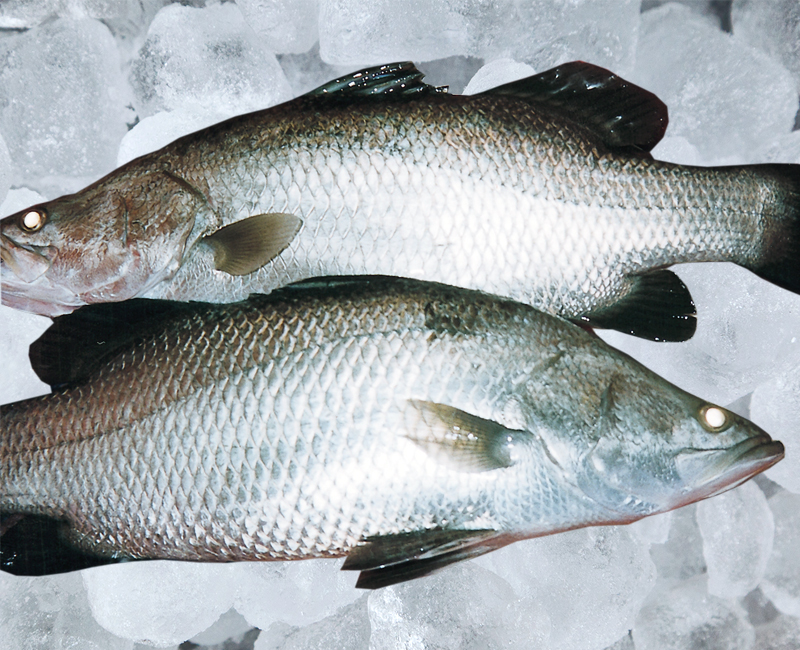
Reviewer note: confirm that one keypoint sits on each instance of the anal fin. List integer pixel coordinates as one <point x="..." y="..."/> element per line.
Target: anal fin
<point x="658" y="307"/>
<point x="389" y="559"/>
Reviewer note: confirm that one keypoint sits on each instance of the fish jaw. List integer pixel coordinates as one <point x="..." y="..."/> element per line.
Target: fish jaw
<point x="24" y="281"/>
<point x="714" y="471"/>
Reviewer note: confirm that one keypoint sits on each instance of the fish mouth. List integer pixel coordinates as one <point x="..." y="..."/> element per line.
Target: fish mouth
<point x="27" y="263"/>
<point x="724" y="469"/>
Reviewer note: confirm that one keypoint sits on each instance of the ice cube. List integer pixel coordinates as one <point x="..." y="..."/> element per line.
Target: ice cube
<point x="773" y="27"/>
<point x="737" y="529"/>
<point x="205" y="60"/>
<point x="62" y="100"/>
<point x="781" y="583"/>
<point x="686" y="617"/>
<point x="783" y="633"/>
<point x="595" y="578"/>
<point x="540" y="33"/>
<point x="285" y="25"/>
<point x="346" y="629"/>
<point x="496" y="73"/>
<point x="724" y="96"/>
<point x="307" y="71"/>
<point x="160" y="603"/>
<point x="681" y="556"/>
<point x="5" y="170"/>
<point x="464" y="606"/>
<point x="230" y="625"/>
<point x="51" y="612"/>
<point x="775" y="406"/>
<point x="296" y="593"/>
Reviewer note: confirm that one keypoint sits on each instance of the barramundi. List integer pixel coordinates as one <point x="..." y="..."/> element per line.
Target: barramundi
<point x="404" y="425"/>
<point x="541" y="190"/>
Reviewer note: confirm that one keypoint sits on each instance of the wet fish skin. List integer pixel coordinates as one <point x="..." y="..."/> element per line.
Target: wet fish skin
<point x="332" y="420"/>
<point x="493" y="192"/>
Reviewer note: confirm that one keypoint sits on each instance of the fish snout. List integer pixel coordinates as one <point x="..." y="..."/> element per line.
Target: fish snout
<point x="712" y="471"/>
<point x="27" y="263"/>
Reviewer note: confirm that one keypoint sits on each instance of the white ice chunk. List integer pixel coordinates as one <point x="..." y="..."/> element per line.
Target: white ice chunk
<point x="724" y="96"/>
<point x="62" y="99"/>
<point x="595" y="578"/>
<point x="205" y="60"/>
<point x="681" y="555"/>
<point x="5" y="170"/>
<point x="228" y="626"/>
<point x="652" y="530"/>
<point x="296" y="593"/>
<point x="496" y="73"/>
<point x="738" y="530"/>
<point x="307" y="71"/>
<point x="464" y="606"/>
<point x="346" y="629"/>
<point x="50" y="612"/>
<point x="773" y="27"/>
<point x="781" y="582"/>
<point x="686" y="617"/>
<point x="782" y="633"/>
<point x="285" y="25"/>
<point x="160" y="603"/>
<point x="748" y="331"/>
<point x="775" y="406"/>
<point x="539" y="32"/>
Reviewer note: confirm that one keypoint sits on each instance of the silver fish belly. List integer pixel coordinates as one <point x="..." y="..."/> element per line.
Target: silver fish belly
<point x="366" y="418"/>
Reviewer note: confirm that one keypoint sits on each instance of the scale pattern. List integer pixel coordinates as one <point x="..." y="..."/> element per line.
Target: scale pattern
<point x="479" y="192"/>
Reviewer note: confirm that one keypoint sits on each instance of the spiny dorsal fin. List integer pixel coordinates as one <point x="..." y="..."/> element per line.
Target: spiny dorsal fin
<point x="77" y="344"/>
<point x="383" y="81"/>
<point x="658" y="307"/>
<point x="385" y="560"/>
<point x="245" y="246"/>
<point x="624" y="116"/>
<point x="460" y="439"/>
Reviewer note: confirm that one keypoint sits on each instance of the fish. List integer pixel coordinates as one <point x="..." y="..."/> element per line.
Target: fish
<point x="541" y="190"/>
<point x="401" y="424"/>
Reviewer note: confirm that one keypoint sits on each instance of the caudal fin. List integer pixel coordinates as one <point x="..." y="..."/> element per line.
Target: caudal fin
<point x="779" y="261"/>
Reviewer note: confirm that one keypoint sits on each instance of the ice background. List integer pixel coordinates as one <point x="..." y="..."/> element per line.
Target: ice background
<point x="88" y="84"/>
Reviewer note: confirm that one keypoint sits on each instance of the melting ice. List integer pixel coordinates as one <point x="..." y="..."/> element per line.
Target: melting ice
<point x="76" y="75"/>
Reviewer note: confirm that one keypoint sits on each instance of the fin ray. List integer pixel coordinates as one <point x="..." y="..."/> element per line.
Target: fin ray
<point x="393" y="80"/>
<point x="245" y="246"/>
<point x="624" y="116"/>
<point x="658" y="307"/>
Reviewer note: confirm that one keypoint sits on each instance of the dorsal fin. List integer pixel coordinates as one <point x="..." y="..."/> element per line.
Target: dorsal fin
<point x="76" y="344"/>
<point x="624" y="116"/>
<point x="393" y="80"/>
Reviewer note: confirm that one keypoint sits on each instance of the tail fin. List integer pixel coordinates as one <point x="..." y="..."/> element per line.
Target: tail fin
<point x="779" y="261"/>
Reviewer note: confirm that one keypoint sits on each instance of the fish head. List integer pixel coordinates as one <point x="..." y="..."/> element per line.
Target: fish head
<point x="656" y="448"/>
<point x="107" y="243"/>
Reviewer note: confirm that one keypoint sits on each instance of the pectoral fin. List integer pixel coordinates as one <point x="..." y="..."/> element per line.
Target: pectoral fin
<point x="388" y="559"/>
<point x="247" y="245"/>
<point x="658" y="307"/>
<point x="457" y="438"/>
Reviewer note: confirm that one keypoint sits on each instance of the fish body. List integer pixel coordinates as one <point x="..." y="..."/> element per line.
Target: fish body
<point x="405" y="425"/>
<point x="540" y="190"/>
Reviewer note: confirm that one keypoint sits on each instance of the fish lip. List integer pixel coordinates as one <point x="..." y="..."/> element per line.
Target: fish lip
<point x="25" y="261"/>
<point x="737" y="464"/>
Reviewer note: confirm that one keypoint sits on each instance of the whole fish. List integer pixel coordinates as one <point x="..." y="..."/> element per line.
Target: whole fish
<point x="405" y="425"/>
<point x="541" y="190"/>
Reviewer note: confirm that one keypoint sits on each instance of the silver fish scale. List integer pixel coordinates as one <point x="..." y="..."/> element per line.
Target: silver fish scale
<point x="478" y="192"/>
<point x="284" y="435"/>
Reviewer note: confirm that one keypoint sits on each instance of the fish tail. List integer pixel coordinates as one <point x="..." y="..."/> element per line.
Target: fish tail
<point x="779" y="259"/>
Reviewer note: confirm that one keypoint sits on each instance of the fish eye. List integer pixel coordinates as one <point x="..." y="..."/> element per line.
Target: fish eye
<point x="32" y="220"/>
<point x="714" y="419"/>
